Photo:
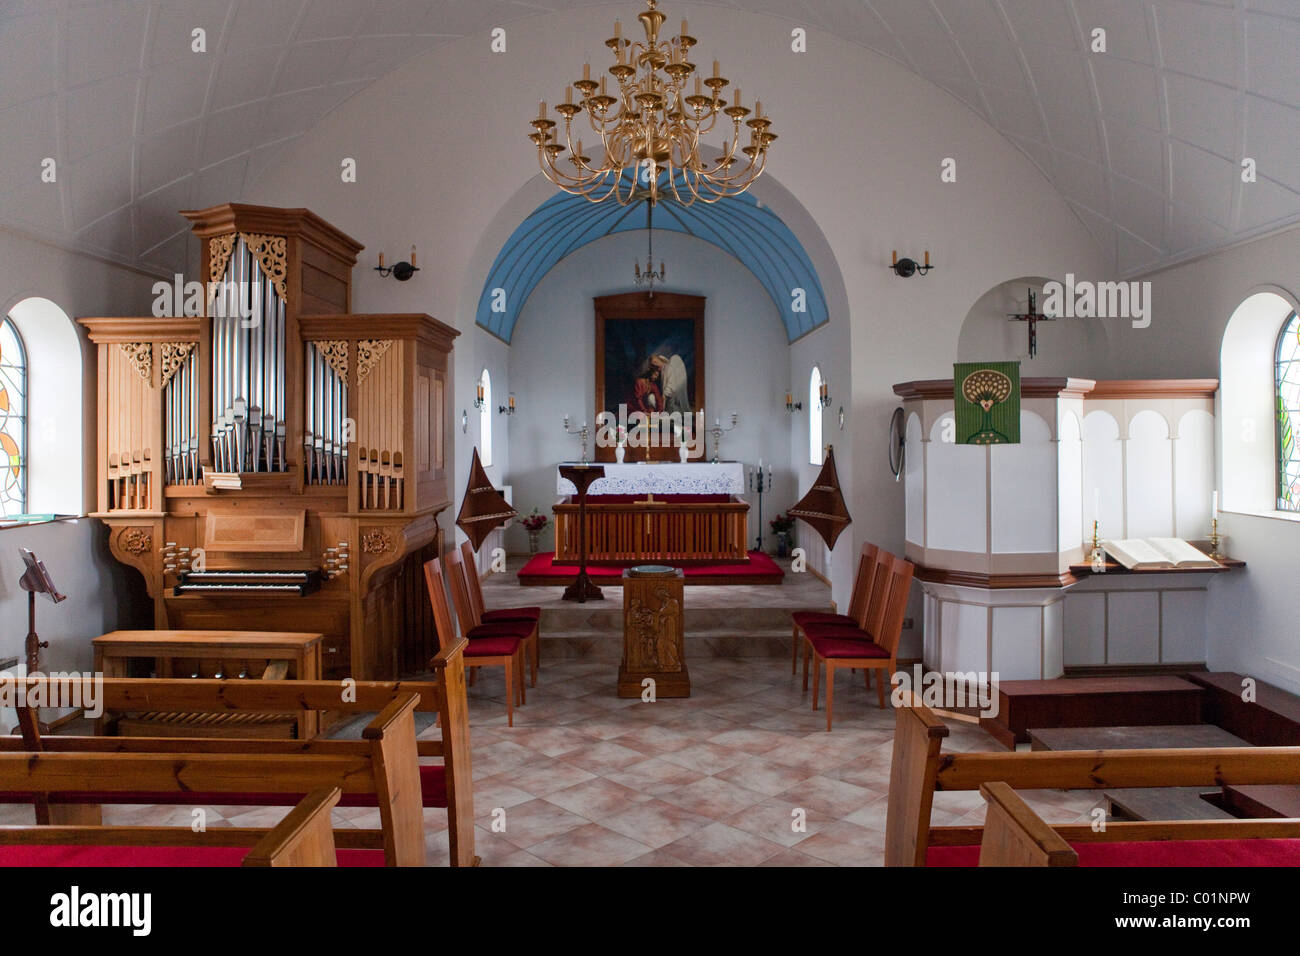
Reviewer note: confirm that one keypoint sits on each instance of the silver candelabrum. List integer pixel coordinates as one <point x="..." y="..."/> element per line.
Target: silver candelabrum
<point x="717" y="431"/>
<point x="584" y="433"/>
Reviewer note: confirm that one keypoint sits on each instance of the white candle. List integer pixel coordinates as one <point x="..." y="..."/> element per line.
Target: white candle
<point x="1214" y="505"/>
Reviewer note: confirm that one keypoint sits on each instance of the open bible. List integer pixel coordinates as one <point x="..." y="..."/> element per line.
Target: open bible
<point x="1151" y="554"/>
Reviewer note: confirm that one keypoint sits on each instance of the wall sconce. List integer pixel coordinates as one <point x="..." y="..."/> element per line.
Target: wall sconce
<point x="508" y="409"/>
<point x="478" y="401"/>
<point x="824" y="398"/>
<point x="402" y="271"/>
<point x="906" y="268"/>
<point x="791" y="405"/>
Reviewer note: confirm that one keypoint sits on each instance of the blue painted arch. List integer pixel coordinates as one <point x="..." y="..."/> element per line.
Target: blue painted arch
<point x="750" y="232"/>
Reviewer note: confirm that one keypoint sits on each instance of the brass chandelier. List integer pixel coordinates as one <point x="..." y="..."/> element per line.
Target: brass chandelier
<point x="652" y="124"/>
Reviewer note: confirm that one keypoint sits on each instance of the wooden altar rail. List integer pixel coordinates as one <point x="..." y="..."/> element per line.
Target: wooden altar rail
<point x="666" y="531"/>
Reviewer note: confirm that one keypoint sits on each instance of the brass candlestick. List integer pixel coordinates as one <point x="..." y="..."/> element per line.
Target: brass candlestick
<point x="1097" y="557"/>
<point x="1215" y="539"/>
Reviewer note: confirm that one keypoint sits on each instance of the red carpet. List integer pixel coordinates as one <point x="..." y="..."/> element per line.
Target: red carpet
<point x="542" y="571"/>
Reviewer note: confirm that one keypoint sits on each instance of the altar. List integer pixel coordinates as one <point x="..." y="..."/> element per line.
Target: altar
<point x="669" y="512"/>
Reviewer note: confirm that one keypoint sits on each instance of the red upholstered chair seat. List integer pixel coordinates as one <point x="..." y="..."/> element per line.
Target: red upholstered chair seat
<point x="104" y="856"/>
<point x="805" y="618"/>
<point x="515" y="629"/>
<point x="846" y="645"/>
<point x="1152" y="853"/>
<point x="533" y="614"/>
<point x="433" y="790"/>
<point x="491" y="646"/>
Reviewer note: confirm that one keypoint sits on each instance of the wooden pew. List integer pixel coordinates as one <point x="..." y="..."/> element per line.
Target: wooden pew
<point x="381" y="770"/>
<point x="920" y="769"/>
<point x="303" y="838"/>
<point x="1014" y="835"/>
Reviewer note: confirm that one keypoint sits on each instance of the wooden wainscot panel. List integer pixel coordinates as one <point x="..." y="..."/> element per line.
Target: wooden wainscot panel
<point x="278" y="533"/>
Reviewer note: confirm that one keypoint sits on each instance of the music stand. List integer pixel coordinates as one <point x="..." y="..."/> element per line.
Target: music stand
<point x="36" y="580"/>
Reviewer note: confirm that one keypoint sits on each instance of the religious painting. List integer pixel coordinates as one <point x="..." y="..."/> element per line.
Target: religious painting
<point x="986" y="403"/>
<point x="649" y="372"/>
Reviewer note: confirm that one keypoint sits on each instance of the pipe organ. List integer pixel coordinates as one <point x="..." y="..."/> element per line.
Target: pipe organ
<point x="279" y="458"/>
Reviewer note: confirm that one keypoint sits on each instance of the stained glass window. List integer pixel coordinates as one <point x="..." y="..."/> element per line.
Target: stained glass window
<point x="1288" y="415"/>
<point x="13" y="420"/>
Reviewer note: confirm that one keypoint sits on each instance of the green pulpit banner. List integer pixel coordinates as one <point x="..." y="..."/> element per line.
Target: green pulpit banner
<point x="986" y="402"/>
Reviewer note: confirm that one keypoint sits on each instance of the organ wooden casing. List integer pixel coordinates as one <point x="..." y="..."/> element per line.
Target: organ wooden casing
<point x="281" y="459"/>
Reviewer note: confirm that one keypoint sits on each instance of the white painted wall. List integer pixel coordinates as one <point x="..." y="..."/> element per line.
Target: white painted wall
<point x="101" y="593"/>
<point x="1251" y="614"/>
<point x="435" y="169"/>
<point x="552" y="362"/>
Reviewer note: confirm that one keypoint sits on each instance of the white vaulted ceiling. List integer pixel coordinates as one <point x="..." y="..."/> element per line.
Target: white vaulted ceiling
<point x="1145" y="142"/>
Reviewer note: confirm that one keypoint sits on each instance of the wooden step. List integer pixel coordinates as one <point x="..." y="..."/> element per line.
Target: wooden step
<point x="1092" y="702"/>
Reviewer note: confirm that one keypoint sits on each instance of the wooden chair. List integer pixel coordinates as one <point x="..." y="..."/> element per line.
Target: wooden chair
<point x="506" y="615"/>
<point x="867" y="564"/>
<point x="481" y="651"/>
<point x="873" y="647"/>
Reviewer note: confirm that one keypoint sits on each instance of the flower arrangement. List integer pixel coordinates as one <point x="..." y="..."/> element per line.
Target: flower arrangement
<point x="535" y="522"/>
<point x="782" y="524"/>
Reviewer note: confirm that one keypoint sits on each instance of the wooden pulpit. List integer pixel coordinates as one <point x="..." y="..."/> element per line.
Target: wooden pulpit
<point x="654" y="643"/>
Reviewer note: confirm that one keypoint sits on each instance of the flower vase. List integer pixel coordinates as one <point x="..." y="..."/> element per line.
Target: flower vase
<point x="532" y="541"/>
<point x="782" y="544"/>
<point x="620" y="452"/>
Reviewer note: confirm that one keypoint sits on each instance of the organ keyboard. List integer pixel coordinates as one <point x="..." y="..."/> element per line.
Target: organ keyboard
<point x="297" y="583"/>
<point x="279" y="457"/>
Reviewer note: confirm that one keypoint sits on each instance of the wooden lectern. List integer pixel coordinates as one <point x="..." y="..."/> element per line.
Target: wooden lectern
<point x="654" y="643"/>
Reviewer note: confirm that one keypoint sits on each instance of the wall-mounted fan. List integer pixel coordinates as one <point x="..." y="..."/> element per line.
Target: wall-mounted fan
<point x="897" y="443"/>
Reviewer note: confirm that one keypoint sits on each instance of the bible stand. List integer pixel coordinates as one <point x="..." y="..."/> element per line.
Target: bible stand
<point x="583" y="589"/>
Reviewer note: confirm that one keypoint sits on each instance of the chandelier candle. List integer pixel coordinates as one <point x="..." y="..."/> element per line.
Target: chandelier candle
<point x="651" y="125"/>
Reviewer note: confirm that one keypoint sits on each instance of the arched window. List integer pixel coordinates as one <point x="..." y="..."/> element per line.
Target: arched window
<point x="815" y="417"/>
<point x="13" y="420"/>
<point x="485" y="419"/>
<point x="1288" y="415"/>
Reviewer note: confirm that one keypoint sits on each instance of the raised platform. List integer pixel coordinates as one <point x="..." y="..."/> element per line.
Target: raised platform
<point x="542" y="571"/>
<point x="1092" y="702"/>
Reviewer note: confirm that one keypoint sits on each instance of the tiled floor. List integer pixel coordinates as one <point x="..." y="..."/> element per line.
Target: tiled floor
<point x="722" y="778"/>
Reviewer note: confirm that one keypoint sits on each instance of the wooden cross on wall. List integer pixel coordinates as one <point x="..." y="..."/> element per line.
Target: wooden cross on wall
<point x="1033" y="317"/>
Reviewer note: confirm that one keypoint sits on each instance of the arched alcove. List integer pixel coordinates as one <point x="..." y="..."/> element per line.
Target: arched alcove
<point x="1066" y="346"/>
<point x="1247" y="413"/>
<point x="55" y="431"/>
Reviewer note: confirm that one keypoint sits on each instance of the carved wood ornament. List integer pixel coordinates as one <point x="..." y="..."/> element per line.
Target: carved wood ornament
<point x="376" y="541"/>
<point x="140" y="355"/>
<point x="369" y="352"/>
<point x="335" y="352"/>
<point x="174" y="355"/>
<point x="271" y="252"/>
<point x="137" y="540"/>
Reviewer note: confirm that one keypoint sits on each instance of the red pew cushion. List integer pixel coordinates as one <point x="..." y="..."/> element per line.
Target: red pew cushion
<point x="20" y="855"/>
<point x="433" y="789"/>
<point x="805" y="618"/>
<point x="491" y="646"/>
<point x="845" y="644"/>
<point x="515" y="629"/>
<point x="1152" y="853"/>
<point x="512" y="614"/>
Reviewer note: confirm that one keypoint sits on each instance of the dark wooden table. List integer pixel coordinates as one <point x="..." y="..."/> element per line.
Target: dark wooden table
<point x="1158" y="737"/>
<point x="583" y="589"/>
<point x="1147" y="803"/>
